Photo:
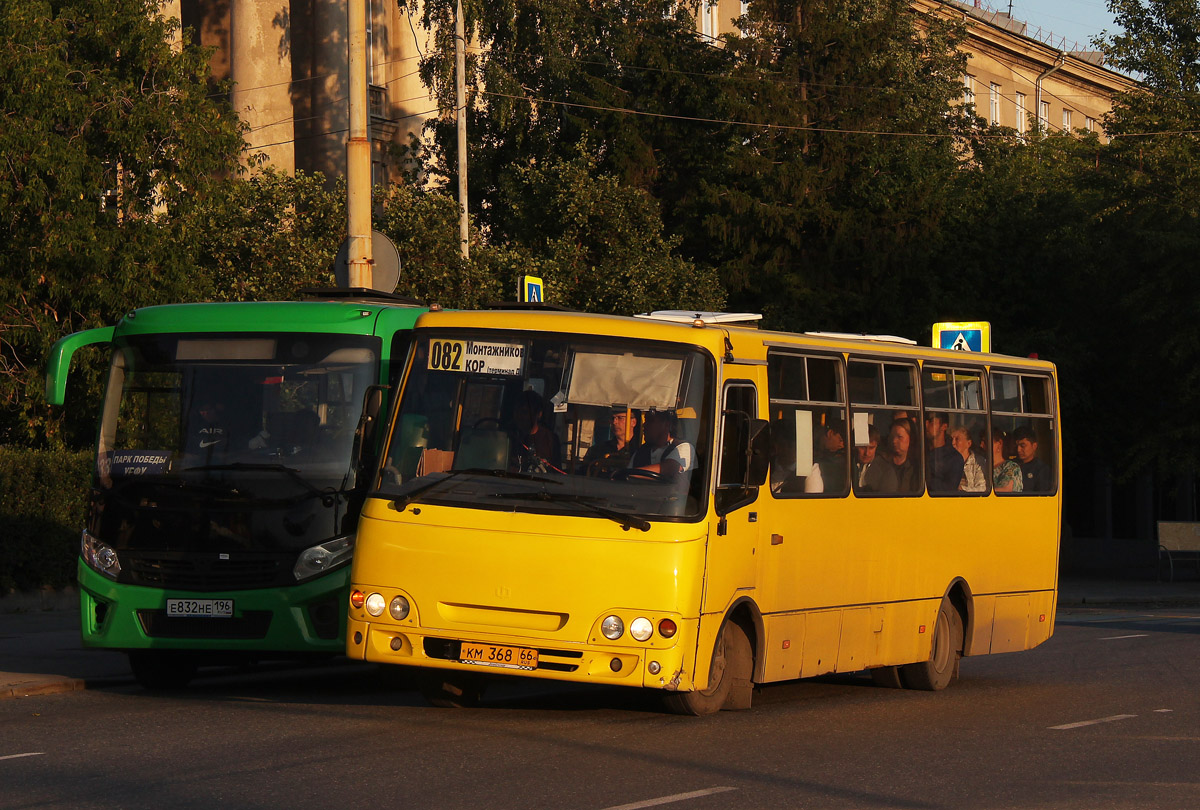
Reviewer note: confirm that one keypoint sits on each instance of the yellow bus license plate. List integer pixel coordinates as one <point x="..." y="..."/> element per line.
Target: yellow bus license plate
<point x="491" y="655"/>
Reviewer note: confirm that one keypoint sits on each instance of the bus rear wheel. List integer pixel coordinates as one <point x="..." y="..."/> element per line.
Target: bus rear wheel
<point x="158" y="669"/>
<point x="729" y="678"/>
<point x="452" y="690"/>
<point x="942" y="666"/>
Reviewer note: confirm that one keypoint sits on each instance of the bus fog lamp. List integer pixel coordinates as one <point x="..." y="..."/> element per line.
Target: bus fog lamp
<point x="612" y="627"/>
<point x="641" y="628"/>
<point x="100" y="556"/>
<point x="375" y="604"/>
<point x="654" y="667"/>
<point x="398" y="608"/>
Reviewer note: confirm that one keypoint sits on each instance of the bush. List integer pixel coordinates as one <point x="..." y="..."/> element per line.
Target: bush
<point x="43" y="506"/>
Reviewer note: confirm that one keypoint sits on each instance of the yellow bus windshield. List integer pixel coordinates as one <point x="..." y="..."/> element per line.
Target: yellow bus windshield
<point x="557" y="424"/>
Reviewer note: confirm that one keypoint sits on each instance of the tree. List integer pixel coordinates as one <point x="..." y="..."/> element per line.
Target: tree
<point x="106" y="128"/>
<point x="852" y="143"/>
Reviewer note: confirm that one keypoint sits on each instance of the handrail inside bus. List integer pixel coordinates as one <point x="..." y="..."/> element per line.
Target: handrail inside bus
<point x="59" y="363"/>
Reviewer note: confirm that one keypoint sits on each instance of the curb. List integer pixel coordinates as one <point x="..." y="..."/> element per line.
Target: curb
<point x="35" y="687"/>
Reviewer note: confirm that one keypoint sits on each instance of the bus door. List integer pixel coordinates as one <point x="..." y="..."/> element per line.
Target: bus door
<point x="730" y="566"/>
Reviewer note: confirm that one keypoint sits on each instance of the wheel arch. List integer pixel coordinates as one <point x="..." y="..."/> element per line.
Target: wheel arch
<point x="744" y="611"/>
<point x="960" y="596"/>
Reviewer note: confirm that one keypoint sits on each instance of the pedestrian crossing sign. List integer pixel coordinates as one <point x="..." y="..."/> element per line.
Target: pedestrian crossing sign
<point x="531" y="290"/>
<point x="964" y="336"/>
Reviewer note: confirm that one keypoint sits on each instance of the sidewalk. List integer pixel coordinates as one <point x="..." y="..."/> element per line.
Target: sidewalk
<point x="40" y="652"/>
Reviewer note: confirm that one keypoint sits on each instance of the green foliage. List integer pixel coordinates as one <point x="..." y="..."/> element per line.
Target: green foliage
<point x="826" y="212"/>
<point x="105" y="127"/>
<point x="44" y="495"/>
<point x="263" y="238"/>
<point x="599" y="245"/>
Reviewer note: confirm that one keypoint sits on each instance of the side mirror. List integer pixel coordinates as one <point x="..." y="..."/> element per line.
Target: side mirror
<point x="760" y="452"/>
<point x="366" y="435"/>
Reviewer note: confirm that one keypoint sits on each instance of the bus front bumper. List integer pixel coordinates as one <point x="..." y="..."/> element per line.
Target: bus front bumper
<point x="656" y="668"/>
<point x="306" y="618"/>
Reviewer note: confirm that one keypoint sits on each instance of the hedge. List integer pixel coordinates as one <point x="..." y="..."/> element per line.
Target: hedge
<point x="43" y="506"/>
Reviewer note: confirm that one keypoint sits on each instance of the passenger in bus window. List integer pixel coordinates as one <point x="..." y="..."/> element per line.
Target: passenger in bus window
<point x="872" y="473"/>
<point x="612" y="453"/>
<point x="536" y="448"/>
<point x="1006" y="473"/>
<point x="945" y="465"/>
<point x="829" y="472"/>
<point x="900" y="435"/>
<point x="1035" y="473"/>
<point x="973" y="477"/>
<point x="660" y="451"/>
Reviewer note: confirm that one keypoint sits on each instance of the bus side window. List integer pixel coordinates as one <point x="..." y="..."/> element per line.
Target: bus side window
<point x="884" y="436"/>
<point x="1023" y="432"/>
<point x="808" y="426"/>
<point x="740" y="411"/>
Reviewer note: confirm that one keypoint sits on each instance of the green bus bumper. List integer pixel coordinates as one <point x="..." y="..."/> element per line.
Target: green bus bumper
<point x="307" y="618"/>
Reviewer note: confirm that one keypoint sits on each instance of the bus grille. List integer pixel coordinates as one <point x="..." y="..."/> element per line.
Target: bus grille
<point x="191" y="573"/>
<point x="251" y="624"/>
<point x="450" y="650"/>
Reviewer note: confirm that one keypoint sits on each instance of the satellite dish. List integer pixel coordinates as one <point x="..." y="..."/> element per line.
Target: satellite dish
<point x="385" y="272"/>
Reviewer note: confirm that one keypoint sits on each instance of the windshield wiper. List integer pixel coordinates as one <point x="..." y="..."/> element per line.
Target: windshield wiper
<point x="327" y="496"/>
<point x="411" y="496"/>
<point x="617" y="517"/>
<point x="171" y="482"/>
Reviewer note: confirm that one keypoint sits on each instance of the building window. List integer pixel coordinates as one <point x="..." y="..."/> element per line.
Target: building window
<point x="1022" y="114"/>
<point x="1089" y="124"/>
<point x="994" y="104"/>
<point x="708" y="18"/>
<point x="968" y="88"/>
<point x="1044" y="117"/>
<point x="1066" y="120"/>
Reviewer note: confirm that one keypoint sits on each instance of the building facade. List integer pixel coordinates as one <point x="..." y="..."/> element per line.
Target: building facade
<point x="287" y="59"/>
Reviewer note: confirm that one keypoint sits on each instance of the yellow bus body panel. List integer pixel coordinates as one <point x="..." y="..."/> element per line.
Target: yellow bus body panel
<point x="514" y="579"/>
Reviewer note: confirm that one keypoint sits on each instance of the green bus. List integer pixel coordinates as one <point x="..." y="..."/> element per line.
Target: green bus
<point x="228" y="475"/>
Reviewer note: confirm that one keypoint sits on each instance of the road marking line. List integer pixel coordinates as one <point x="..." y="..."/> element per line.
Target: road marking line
<point x="1163" y="711"/>
<point x="30" y="754"/>
<point x="678" y="797"/>
<point x="1118" y="638"/>
<point x="1083" y="723"/>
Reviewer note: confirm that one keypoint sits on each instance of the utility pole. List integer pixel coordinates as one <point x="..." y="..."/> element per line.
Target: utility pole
<point x="358" y="152"/>
<point x="460" y="101"/>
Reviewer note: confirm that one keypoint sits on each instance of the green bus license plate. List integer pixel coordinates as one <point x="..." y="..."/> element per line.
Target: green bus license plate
<point x="200" y="608"/>
<point x="491" y="655"/>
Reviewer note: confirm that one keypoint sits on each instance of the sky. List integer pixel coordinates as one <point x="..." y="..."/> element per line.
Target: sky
<point x="1077" y="20"/>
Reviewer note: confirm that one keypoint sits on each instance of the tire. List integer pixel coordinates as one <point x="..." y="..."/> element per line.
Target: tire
<point x="941" y="668"/>
<point x="155" y="669"/>
<point x="453" y="690"/>
<point x="729" y="680"/>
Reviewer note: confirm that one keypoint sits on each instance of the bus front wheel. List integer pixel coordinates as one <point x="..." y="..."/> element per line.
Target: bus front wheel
<point x="729" y="678"/>
<point x="942" y="666"/>
<point x="159" y="669"/>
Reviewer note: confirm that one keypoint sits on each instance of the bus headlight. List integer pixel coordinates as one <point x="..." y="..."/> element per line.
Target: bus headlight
<point x="398" y="608"/>
<point x="99" y="556"/>
<point x="324" y="557"/>
<point x="612" y="627"/>
<point x="641" y="629"/>
<point x="375" y="604"/>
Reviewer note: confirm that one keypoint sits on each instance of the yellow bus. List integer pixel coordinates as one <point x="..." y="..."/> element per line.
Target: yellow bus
<point x="686" y="503"/>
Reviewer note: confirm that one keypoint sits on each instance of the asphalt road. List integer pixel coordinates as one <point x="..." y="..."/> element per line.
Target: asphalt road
<point x="1104" y="715"/>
